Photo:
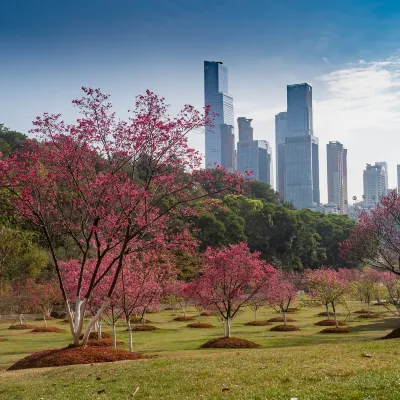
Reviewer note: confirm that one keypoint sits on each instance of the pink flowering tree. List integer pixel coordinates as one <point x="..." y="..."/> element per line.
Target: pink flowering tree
<point x="259" y="300"/>
<point x="44" y="296"/>
<point x="20" y="297"/>
<point x="231" y="277"/>
<point x="327" y="287"/>
<point x="281" y="292"/>
<point x="375" y="240"/>
<point x="391" y="282"/>
<point x="113" y="187"/>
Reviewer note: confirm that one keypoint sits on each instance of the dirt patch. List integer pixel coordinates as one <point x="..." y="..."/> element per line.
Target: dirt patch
<point x="184" y="319"/>
<point x="207" y="314"/>
<point x="258" y="323"/>
<point x="200" y="325"/>
<point x="229" y="343"/>
<point x="395" y="334"/>
<point x="335" y="330"/>
<point x="73" y="356"/>
<point x="144" y="328"/>
<point x="49" y="329"/>
<point x="95" y="336"/>
<point x="3" y="339"/>
<point x="329" y="322"/>
<point x="285" y="328"/>
<point x="47" y="319"/>
<point x="22" y="327"/>
<point x="102" y="343"/>
<point x="281" y="319"/>
<point x="369" y="316"/>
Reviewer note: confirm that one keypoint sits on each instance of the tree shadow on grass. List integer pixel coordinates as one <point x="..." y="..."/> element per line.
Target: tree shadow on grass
<point x="381" y="325"/>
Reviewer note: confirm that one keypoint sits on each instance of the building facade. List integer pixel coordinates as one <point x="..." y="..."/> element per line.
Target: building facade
<point x="301" y="154"/>
<point x="337" y="176"/>
<point x="218" y="146"/>
<point x="281" y="128"/>
<point x="384" y="164"/>
<point x="374" y="180"/>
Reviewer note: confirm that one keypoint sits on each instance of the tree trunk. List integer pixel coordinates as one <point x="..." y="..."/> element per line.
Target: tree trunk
<point x="144" y="317"/>
<point x="130" y="335"/>
<point x="284" y="318"/>
<point x="92" y="321"/>
<point x="327" y="311"/>
<point x="255" y="315"/>
<point x="114" y="335"/>
<point x="228" y="327"/>
<point x="334" y="315"/>
<point x="99" y="329"/>
<point x="45" y="319"/>
<point x="368" y="307"/>
<point x="184" y="310"/>
<point x="20" y="319"/>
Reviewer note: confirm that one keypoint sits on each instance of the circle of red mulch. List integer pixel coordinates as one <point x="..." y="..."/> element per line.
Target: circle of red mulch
<point x="292" y="310"/>
<point x="47" y="319"/>
<point x="285" y="328"/>
<point x="184" y="319"/>
<point x="395" y="334"/>
<point x="258" y="323"/>
<point x="3" y="339"/>
<point x="229" y="343"/>
<point x="21" y="327"/>
<point x="323" y="314"/>
<point x="200" y="325"/>
<point x="102" y="343"/>
<point x="73" y="356"/>
<point x="137" y="320"/>
<point x="95" y="336"/>
<point x="361" y="312"/>
<point x="329" y="322"/>
<point x="335" y="330"/>
<point x="49" y="329"/>
<point x="144" y="328"/>
<point x="369" y="316"/>
<point x="281" y="319"/>
<point x="207" y="314"/>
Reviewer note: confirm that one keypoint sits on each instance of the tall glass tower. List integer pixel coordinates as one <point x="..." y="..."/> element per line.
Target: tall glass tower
<point x="218" y="138"/>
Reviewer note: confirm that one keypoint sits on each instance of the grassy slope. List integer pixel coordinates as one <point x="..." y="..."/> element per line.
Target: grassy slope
<point x="301" y="364"/>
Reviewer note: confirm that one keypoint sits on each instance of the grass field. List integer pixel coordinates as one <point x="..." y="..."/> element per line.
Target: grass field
<point x="303" y="364"/>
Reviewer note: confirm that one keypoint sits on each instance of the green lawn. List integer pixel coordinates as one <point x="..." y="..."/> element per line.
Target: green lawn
<point x="303" y="364"/>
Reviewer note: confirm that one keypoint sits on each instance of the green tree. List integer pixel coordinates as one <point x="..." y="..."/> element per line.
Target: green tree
<point x="10" y="140"/>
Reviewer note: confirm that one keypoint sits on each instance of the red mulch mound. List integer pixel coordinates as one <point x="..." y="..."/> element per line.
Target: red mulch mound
<point x="281" y="319"/>
<point x="144" y="328"/>
<point x="184" y="319"/>
<point x="335" y="330"/>
<point x="258" y="323"/>
<point x="137" y="320"/>
<point x="369" y="316"/>
<point x="20" y="327"/>
<point x="361" y="312"/>
<point x="200" y="325"/>
<point x="285" y="328"/>
<point x="102" y="343"/>
<point x="207" y="314"/>
<point x="95" y="336"/>
<point x="43" y="329"/>
<point x="293" y="310"/>
<point x="229" y="343"/>
<point x="3" y="339"/>
<point x="47" y="319"/>
<point x="73" y="356"/>
<point x="395" y="334"/>
<point x="329" y="322"/>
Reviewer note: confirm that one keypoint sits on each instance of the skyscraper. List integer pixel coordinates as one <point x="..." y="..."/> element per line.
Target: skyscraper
<point x="301" y="179"/>
<point x="337" y="176"/>
<point x="253" y="155"/>
<point x="385" y="165"/>
<point x="219" y="149"/>
<point x="374" y="184"/>
<point x="280" y="135"/>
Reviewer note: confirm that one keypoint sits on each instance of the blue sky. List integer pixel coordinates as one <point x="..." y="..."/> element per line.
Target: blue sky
<point x="347" y="50"/>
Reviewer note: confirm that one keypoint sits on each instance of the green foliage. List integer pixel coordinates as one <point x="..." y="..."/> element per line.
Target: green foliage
<point x="10" y="140"/>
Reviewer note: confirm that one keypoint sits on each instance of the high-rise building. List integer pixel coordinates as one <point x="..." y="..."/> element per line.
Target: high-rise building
<point x="219" y="150"/>
<point x="337" y="176"/>
<point x="301" y="178"/>
<point x="385" y="165"/>
<point x="253" y="155"/>
<point x="281" y="128"/>
<point x="374" y="184"/>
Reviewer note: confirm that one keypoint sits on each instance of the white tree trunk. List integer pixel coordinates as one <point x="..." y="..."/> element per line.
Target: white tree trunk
<point x="284" y="318"/>
<point x="184" y="310"/>
<point x="255" y="315"/>
<point x="130" y="335"/>
<point x="93" y="320"/>
<point x="114" y="336"/>
<point x="327" y="311"/>
<point x="20" y="319"/>
<point x="99" y="329"/>
<point x="45" y="319"/>
<point x="144" y="318"/>
<point x="228" y="328"/>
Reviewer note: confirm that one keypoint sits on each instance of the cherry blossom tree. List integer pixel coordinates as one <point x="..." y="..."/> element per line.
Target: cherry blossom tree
<point x="44" y="296"/>
<point x="231" y="277"/>
<point x="112" y="187"/>
<point x="375" y="240"/>
<point x="366" y="289"/>
<point x="20" y="297"/>
<point x="259" y="300"/>
<point x="281" y="292"/>
<point x="327" y="287"/>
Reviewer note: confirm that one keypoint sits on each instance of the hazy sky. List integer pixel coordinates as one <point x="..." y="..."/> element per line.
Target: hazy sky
<point x="346" y="49"/>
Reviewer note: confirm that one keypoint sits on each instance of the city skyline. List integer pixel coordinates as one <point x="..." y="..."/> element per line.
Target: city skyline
<point x="353" y="67"/>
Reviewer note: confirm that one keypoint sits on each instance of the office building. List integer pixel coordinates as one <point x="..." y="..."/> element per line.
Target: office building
<point x="218" y="144"/>
<point x="384" y="164"/>
<point x="280" y="135"/>
<point x="337" y="176"/>
<point x="374" y="184"/>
